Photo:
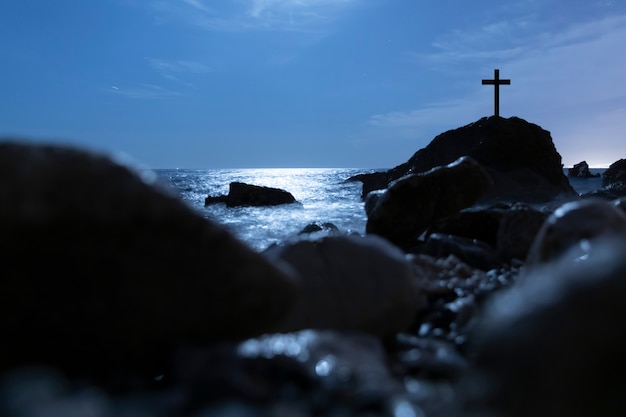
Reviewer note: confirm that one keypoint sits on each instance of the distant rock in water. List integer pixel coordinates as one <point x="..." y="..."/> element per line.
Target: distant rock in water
<point x="242" y="194"/>
<point x="581" y="170"/>
<point x="519" y="156"/>
<point x="103" y="271"/>
<point x="613" y="182"/>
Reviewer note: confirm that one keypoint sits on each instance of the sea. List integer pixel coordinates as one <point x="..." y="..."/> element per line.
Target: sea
<point x="323" y="195"/>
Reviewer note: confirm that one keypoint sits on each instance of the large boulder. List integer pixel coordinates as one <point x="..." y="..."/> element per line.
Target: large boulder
<point x="553" y="344"/>
<point x="242" y="194"/>
<point x="412" y="203"/>
<point x="350" y="282"/>
<point x="519" y="156"/>
<point x="104" y="270"/>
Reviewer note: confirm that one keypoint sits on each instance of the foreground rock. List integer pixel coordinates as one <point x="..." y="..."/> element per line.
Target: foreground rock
<point x="350" y="283"/>
<point x="103" y="271"/>
<point x="554" y="343"/>
<point x="520" y="157"/>
<point x="406" y="209"/>
<point x="242" y="194"/>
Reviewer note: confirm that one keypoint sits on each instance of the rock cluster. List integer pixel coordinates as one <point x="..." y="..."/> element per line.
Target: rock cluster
<point x="465" y="296"/>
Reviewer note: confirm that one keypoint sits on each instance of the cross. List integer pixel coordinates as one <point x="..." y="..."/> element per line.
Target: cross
<point x="496" y="82"/>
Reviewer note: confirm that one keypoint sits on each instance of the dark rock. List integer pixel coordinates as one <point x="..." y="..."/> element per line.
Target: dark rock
<point x="473" y="252"/>
<point x="572" y="225"/>
<point x="406" y="209"/>
<point x="318" y="227"/>
<point x="350" y="283"/>
<point x="611" y="191"/>
<point x="553" y="344"/>
<point x="454" y="291"/>
<point x="509" y="228"/>
<point x="105" y="271"/>
<point x="518" y="230"/>
<point x="520" y="157"/>
<point x="615" y="173"/>
<point x="581" y="170"/>
<point x="428" y="358"/>
<point x="242" y="194"/>
<point x="316" y="370"/>
<point x="472" y="223"/>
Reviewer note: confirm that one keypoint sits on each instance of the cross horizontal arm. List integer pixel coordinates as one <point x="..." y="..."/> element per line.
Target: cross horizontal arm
<point x="493" y="82"/>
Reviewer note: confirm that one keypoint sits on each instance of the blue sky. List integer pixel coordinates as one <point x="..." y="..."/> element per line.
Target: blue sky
<point x="308" y="83"/>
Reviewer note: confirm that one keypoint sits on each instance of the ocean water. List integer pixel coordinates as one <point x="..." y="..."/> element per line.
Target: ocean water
<point x="322" y="196"/>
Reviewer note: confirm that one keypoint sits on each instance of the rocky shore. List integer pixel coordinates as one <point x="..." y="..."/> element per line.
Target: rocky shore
<point x="484" y="285"/>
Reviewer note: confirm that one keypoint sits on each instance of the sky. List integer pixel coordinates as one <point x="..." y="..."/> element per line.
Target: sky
<point x="205" y="84"/>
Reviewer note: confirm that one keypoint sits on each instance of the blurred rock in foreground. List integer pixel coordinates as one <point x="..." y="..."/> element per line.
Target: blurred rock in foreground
<point x="103" y="271"/>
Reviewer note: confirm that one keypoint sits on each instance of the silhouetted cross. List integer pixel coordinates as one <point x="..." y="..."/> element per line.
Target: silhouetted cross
<point x="496" y="82"/>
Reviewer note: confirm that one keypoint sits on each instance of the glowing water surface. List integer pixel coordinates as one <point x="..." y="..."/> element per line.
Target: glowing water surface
<point x="322" y="196"/>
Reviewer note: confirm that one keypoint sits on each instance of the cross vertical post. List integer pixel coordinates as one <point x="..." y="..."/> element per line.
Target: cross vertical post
<point x="496" y="82"/>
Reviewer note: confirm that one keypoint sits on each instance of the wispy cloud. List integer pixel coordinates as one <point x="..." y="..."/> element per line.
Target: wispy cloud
<point x="172" y="69"/>
<point x="198" y="5"/>
<point x="245" y="15"/>
<point x="144" y="92"/>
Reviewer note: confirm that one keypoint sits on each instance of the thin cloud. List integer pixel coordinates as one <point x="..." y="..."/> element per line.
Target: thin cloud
<point x="145" y="92"/>
<point x="246" y="15"/>
<point x="171" y="69"/>
<point x="198" y="5"/>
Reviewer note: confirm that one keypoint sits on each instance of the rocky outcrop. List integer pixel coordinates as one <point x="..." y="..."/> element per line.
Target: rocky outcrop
<point x="103" y="269"/>
<point x="242" y="194"/>
<point x="519" y="156"/>
<point x="615" y="174"/>
<point x="350" y="283"/>
<point x="406" y="209"/>
<point x="581" y="170"/>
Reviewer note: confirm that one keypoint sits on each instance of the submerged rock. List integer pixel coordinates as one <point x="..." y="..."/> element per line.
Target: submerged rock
<point x="350" y="283"/>
<point x="412" y="203"/>
<point x="104" y="271"/>
<point x="242" y="194"/>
